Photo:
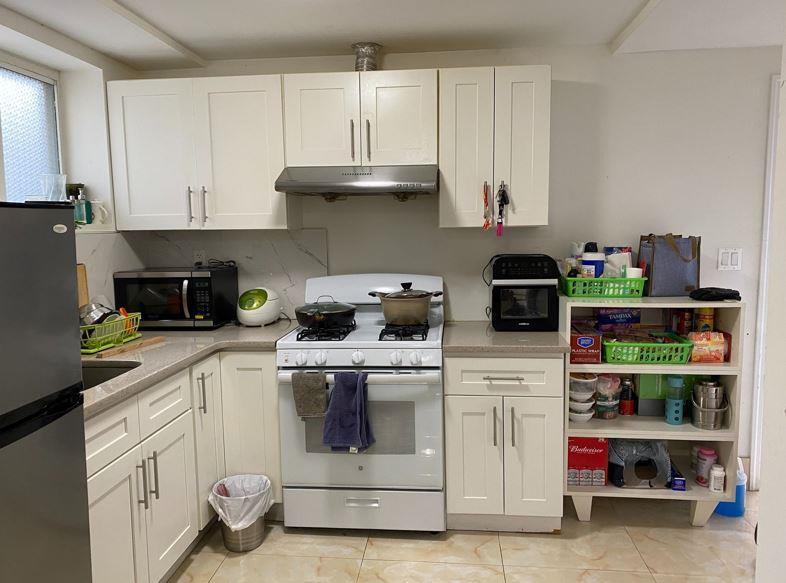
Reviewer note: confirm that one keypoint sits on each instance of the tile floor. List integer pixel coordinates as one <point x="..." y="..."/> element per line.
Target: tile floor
<point x="627" y="541"/>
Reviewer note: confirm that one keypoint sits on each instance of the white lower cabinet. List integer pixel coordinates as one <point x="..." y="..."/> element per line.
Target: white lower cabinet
<point x="172" y="516"/>
<point x="249" y="394"/>
<point x="503" y="452"/>
<point x="208" y="431"/>
<point x="143" y="515"/>
<point x="118" y="534"/>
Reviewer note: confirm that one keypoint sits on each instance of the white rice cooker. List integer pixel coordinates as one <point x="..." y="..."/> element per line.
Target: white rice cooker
<point x="258" y="306"/>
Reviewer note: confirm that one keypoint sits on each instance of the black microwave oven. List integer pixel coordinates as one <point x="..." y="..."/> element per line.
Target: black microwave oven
<point x="179" y="298"/>
<point x="524" y="293"/>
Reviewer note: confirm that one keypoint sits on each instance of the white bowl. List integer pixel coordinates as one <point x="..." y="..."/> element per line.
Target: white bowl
<point x="581" y="406"/>
<point x="581" y="417"/>
<point x="581" y="396"/>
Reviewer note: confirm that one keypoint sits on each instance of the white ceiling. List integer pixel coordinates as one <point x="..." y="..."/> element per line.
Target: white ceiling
<point x="232" y="29"/>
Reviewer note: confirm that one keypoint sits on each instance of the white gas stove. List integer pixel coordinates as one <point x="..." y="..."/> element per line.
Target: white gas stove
<point x="366" y="345"/>
<point x="398" y="482"/>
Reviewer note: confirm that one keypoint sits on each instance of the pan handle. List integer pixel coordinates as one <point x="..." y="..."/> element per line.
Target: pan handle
<point x="436" y="294"/>
<point x="376" y="294"/>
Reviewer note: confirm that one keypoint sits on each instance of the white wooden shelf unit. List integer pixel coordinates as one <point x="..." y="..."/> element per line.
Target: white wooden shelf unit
<point x="728" y="318"/>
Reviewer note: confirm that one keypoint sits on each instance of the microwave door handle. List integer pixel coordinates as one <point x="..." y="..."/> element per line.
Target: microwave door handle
<point x="184" y="299"/>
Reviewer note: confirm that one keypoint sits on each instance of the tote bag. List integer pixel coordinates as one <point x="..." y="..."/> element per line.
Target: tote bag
<point x="671" y="264"/>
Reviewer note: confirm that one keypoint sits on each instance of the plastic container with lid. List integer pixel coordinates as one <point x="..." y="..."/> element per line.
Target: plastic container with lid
<point x="717" y="481"/>
<point x="582" y="386"/>
<point x="707" y="457"/>
<point x="607" y="409"/>
<point x="675" y="401"/>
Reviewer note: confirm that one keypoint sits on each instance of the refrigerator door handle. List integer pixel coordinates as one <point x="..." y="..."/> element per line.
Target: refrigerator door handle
<point x="184" y="299"/>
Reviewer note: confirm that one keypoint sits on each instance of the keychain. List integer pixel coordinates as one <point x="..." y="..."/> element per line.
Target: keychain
<point x="486" y="209"/>
<point x="502" y="200"/>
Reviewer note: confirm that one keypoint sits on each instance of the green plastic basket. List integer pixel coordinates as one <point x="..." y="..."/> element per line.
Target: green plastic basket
<point x="648" y="353"/>
<point x="604" y="287"/>
<point x="98" y="337"/>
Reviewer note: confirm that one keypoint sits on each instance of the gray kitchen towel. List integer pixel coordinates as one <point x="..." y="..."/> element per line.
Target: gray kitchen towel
<point x="347" y="423"/>
<point x="310" y="392"/>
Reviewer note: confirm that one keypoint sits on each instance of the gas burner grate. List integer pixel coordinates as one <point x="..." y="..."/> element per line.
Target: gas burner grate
<point x="408" y="332"/>
<point x="336" y="333"/>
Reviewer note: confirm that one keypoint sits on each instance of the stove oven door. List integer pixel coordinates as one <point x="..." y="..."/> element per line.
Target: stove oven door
<point x="405" y="410"/>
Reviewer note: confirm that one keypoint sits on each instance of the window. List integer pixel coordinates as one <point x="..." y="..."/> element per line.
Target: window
<point x="28" y="121"/>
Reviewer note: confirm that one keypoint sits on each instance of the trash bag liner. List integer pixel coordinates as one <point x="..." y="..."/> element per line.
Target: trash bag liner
<point x="250" y="496"/>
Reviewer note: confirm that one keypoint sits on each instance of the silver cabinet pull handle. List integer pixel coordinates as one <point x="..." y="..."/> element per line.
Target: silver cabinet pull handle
<point x="495" y="426"/>
<point x="203" y="406"/>
<point x="184" y="299"/>
<point x="368" y="139"/>
<point x="203" y="191"/>
<point x="513" y="426"/>
<point x="154" y="457"/>
<point x="145" y="500"/>
<point x="352" y="138"/>
<point x="189" y="192"/>
<point x="362" y="502"/>
<point x="504" y="378"/>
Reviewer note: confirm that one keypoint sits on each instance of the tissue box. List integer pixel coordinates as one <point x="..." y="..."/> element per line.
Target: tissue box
<point x="588" y="461"/>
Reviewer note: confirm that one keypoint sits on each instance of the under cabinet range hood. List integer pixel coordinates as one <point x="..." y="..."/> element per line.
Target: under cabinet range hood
<point x="339" y="182"/>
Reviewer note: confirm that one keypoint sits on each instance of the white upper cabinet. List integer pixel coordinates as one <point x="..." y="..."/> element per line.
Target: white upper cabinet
<point x="399" y="110"/>
<point x="322" y="113"/>
<point x="239" y="144"/>
<point x="466" y="148"/>
<point x="494" y="127"/>
<point x="522" y="131"/>
<point x="152" y="141"/>
<point x="198" y="153"/>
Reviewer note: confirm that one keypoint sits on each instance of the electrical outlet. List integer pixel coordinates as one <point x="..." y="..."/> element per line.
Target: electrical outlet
<point x="200" y="256"/>
<point x="729" y="259"/>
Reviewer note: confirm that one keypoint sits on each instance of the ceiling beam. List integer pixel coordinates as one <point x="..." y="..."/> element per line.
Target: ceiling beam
<point x="616" y="44"/>
<point x="152" y="30"/>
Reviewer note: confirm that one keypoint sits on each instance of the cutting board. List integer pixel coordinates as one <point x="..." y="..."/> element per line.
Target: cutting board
<point x="82" y="292"/>
<point x="131" y="346"/>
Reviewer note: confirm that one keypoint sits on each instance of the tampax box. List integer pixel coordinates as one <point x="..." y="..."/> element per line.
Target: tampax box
<point x="585" y="345"/>
<point x="588" y="461"/>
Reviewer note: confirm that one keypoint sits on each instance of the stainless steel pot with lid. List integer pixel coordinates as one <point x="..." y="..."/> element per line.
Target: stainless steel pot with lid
<point x="407" y="306"/>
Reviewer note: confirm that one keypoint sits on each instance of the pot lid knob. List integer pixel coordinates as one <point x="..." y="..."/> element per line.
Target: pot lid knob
<point x="407" y="285"/>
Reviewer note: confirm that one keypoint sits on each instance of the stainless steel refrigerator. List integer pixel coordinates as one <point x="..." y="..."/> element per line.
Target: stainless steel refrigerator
<point x="44" y="529"/>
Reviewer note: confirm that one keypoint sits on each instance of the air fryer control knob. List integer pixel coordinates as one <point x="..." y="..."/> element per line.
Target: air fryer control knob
<point x="396" y="357"/>
<point x="414" y="358"/>
<point x="358" y="357"/>
<point x="320" y="358"/>
<point x="301" y="358"/>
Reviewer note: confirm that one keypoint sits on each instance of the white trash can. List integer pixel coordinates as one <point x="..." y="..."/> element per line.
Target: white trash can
<point x="242" y="512"/>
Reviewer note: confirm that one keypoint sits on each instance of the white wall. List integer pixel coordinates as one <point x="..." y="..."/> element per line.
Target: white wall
<point x="659" y="142"/>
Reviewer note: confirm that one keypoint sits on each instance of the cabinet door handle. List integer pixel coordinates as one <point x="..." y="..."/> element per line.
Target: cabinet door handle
<point x="495" y="426"/>
<point x="203" y="406"/>
<point x="154" y="457"/>
<point x="203" y="191"/>
<point x="503" y="378"/>
<point x="145" y="500"/>
<point x="352" y="138"/>
<point x="368" y="139"/>
<point x="189" y="192"/>
<point x="513" y="426"/>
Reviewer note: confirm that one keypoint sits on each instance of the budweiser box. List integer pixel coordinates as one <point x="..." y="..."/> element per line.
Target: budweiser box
<point x="585" y="344"/>
<point x="588" y="461"/>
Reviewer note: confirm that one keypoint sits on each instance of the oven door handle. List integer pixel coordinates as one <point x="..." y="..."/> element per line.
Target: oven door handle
<point x="362" y="502"/>
<point x="428" y="378"/>
<point x="184" y="299"/>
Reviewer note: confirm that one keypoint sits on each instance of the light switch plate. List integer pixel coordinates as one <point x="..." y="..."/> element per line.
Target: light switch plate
<point x="729" y="259"/>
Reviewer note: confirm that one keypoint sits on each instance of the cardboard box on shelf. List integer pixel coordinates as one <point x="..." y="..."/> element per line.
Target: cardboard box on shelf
<point x="585" y="344"/>
<point x="588" y="461"/>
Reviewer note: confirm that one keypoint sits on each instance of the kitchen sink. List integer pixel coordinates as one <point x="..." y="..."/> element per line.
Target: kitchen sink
<point x="95" y="372"/>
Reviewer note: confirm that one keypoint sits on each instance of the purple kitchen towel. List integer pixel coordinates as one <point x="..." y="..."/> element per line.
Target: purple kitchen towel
<point x="347" y="422"/>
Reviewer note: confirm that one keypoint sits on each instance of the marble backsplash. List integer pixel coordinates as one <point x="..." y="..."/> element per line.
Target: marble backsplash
<point x="281" y="260"/>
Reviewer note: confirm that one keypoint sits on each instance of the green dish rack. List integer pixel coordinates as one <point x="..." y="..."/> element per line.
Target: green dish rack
<point x="648" y="353"/>
<point x="98" y="337"/>
<point x="604" y="287"/>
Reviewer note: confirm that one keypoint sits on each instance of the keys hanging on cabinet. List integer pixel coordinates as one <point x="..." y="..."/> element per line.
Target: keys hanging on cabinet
<point x="503" y="199"/>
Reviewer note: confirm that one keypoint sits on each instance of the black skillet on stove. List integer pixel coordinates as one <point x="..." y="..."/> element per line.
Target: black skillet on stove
<point x="330" y="314"/>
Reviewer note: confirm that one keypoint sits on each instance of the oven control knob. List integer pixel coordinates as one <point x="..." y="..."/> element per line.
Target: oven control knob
<point x="396" y="357"/>
<point x="301" y="358"/>
<point x="358" y="357"/>
<point x="414" y="358"/>
<point x="320" y="358"/>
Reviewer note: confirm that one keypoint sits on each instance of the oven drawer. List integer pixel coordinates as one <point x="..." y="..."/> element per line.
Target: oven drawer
<point x="377" y="509"/>
<point x="515" y="377"/>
